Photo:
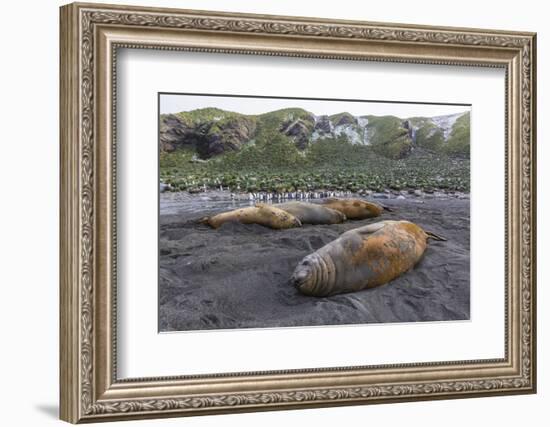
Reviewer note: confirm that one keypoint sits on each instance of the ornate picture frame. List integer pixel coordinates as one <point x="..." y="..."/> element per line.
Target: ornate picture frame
<point x="90" y="37"/>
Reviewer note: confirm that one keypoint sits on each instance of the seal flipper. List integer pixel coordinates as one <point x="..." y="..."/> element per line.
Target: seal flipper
<point x="435" y="236"/>
<point x="386" y="208"/>
<point x="368" y="229"/>
<point x="207" y="220"/>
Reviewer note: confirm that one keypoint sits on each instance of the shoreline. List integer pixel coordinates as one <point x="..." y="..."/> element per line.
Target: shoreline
<point x="316" y="195"/>
<point x="212" y="201"/>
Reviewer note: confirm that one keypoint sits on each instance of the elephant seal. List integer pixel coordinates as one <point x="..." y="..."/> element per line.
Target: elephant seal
<point x="266" y="215"/>
<point x="310" y="213"/>
<point x="355" y="208"/>
<point x="361" y="258"/>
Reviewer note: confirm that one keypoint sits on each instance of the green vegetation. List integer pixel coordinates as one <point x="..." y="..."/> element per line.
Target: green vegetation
<point x="341" y="117"/>
<point x="388" y="137"/>
<point x="277" y="122"/>
<point x="327" y="165"/>
<point x="459" y="139"/>
<point x="428" y="135"/>
<point x="203" y="115"/>
<point x="274" y="152"/>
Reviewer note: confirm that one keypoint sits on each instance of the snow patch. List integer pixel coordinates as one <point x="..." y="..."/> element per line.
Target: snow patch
<point x="363" y="122"/>
<point x="349" y="130"/>
<point x="316" y="135"/>
<point x="446" y="123"/>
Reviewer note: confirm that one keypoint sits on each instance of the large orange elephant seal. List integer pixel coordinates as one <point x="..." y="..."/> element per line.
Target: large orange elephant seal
<point x="355" y="208"/>
<point x="266" y="215"/>
<point x="361" y="258"/>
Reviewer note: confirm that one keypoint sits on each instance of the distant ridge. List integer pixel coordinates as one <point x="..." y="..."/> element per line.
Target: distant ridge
<point x="211" y="132"/>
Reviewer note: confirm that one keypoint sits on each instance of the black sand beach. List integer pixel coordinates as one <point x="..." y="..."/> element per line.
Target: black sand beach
<point x="237" y="276"/>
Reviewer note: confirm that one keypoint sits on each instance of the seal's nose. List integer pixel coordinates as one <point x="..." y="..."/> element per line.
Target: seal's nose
<point x="302" y="275"/>
<point x="299" y="277"/>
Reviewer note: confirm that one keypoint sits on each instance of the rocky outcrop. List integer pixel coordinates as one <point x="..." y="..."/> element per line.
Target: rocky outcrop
<point x="344" y="119"/>
<point x="323" y="124"/>
<point x="174" y="133"/>
<point x="338" y="125"/>
<point x="299" y="131"/>
<point x="208" y="138"/>
<point x="230" y="135"/>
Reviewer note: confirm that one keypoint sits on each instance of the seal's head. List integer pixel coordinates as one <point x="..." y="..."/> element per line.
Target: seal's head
<point x="354" y="208"/>
<point x="361" y="209"/>
<point x="289" y="221"/>
<point x="338" y="217"/>
<point x="305" y="275"/>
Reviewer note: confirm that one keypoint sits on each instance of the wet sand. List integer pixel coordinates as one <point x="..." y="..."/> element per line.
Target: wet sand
<point x="238" y="275"/>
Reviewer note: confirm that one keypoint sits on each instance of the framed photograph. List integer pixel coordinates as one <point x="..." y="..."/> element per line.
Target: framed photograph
<point x="268" y="212"/>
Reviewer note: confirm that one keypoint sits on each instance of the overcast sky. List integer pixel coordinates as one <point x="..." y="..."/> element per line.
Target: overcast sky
<point x="175" y="103"/>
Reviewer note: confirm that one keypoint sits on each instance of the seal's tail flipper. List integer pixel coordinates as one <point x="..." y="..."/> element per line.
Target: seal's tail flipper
<point x="435" y="236"/>
<point x="204" y="220"/>
<point x="386" y="208"/>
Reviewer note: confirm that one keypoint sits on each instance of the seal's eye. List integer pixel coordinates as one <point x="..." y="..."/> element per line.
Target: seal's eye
<point x="305" y="262"/>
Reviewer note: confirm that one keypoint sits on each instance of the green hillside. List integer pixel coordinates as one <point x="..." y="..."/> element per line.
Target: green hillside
<point x="292" y="149"/>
